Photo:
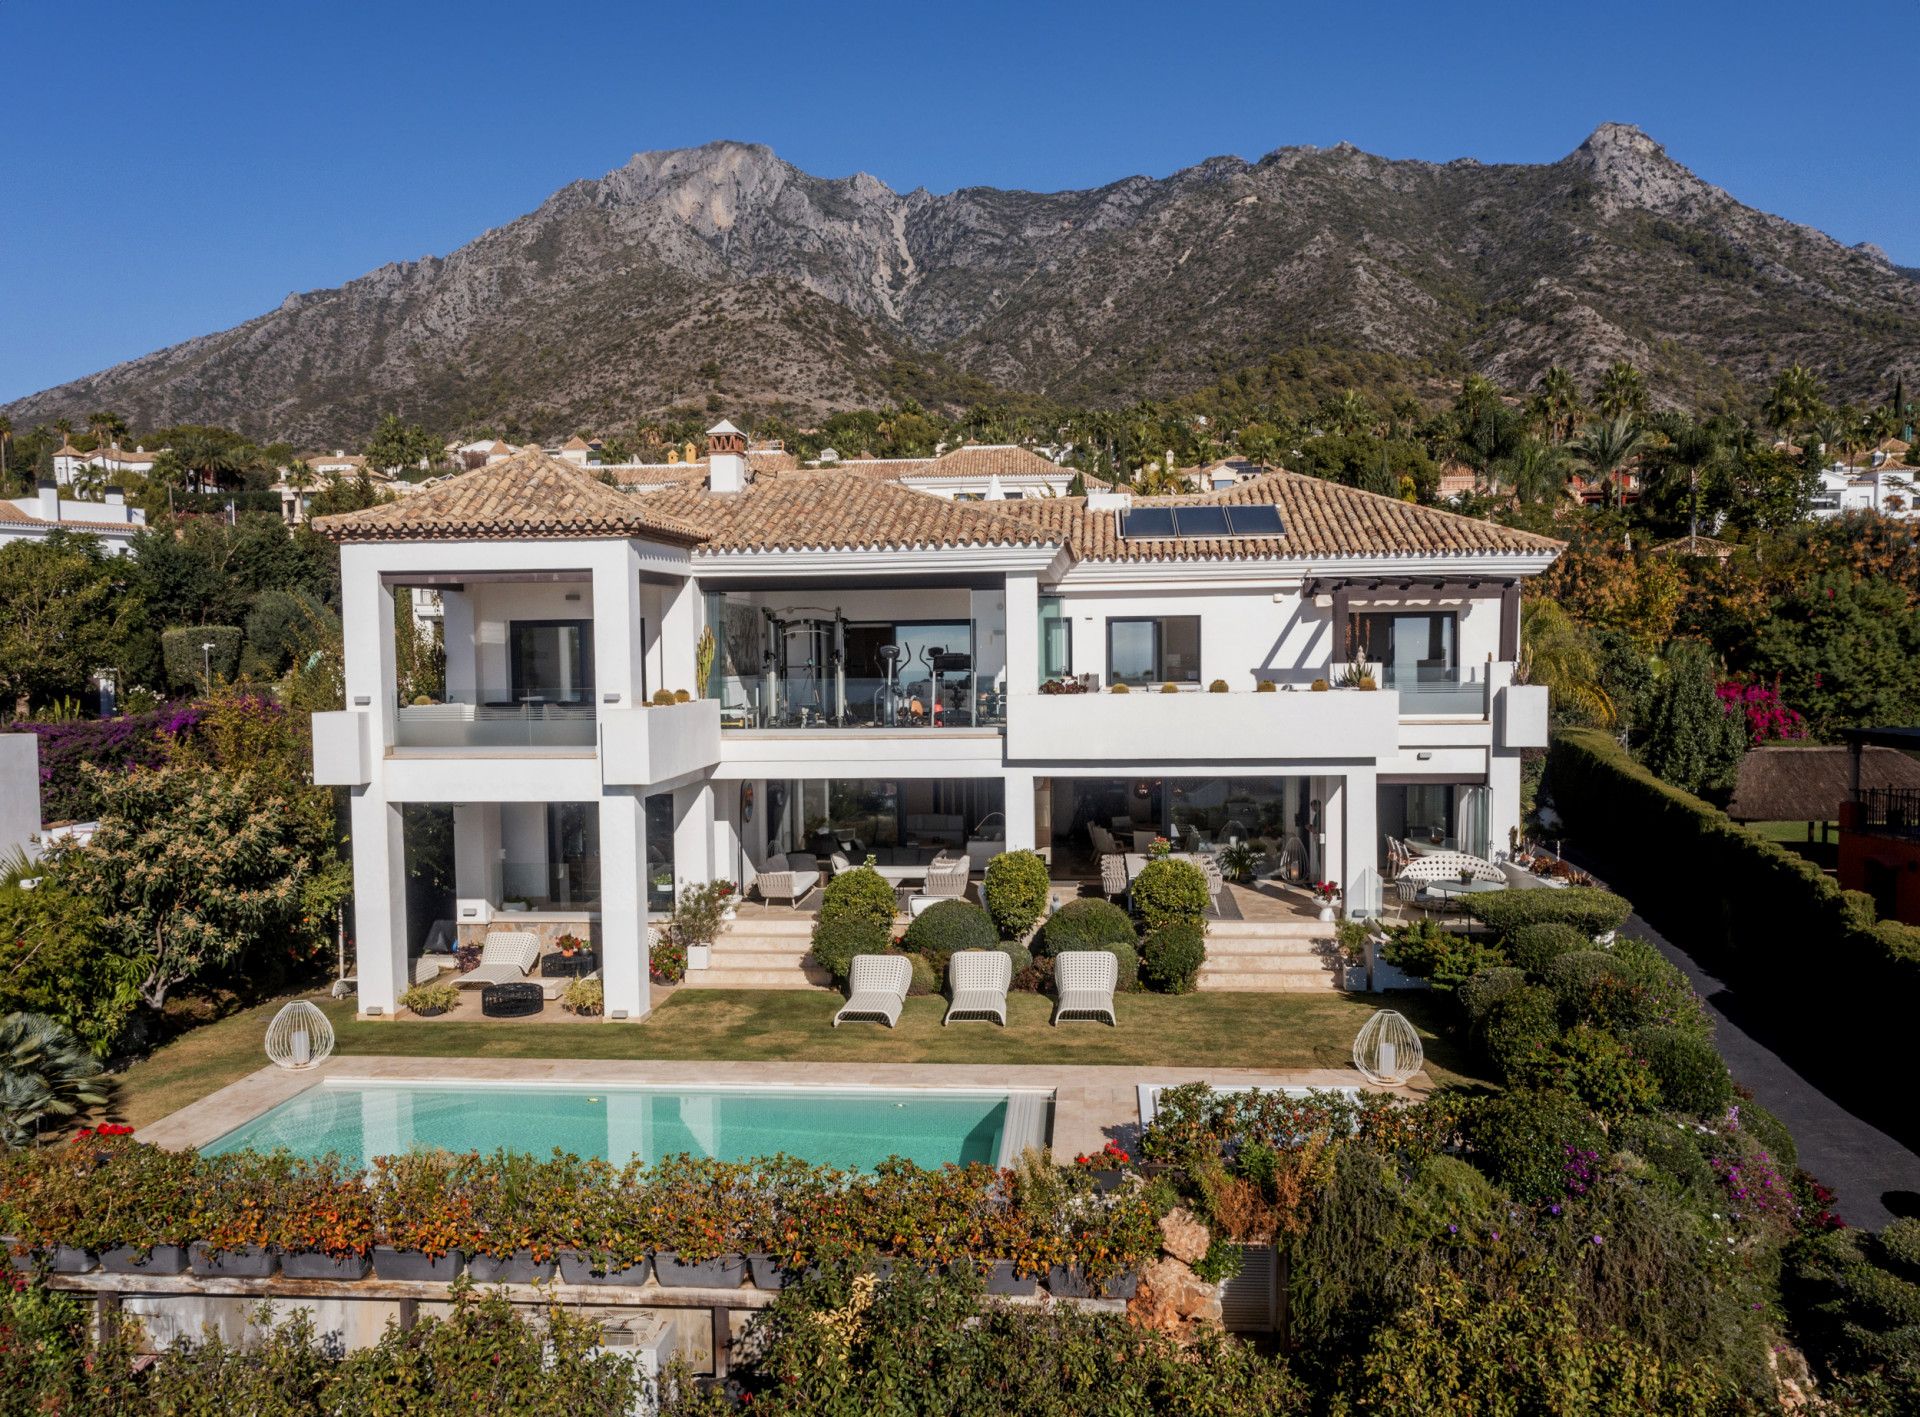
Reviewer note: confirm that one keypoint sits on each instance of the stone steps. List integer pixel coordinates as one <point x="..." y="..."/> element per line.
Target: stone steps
<point x="1250" y="956"/>
<point x="762" y="953"/>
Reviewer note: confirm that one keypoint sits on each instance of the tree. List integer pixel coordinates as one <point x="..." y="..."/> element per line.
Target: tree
<point x="1688" y="738"/>
<point x="1762" y="489"/>
<point x="397" y="446"/>
<point x="1622" y="392"/>
<point x="1556" y="652"/>
<point x="62" y="616"/>
<point x="45" y="1075"/>
<point x="1843" y="648"/>
<point x="52" y="961"/>
<point x="1691" y="449"/>
<point x="1794" y="400"/>
<point x="1536" y="471"/>
<point x="1559" y="400"/>
<point x="6" y="437"/>
<point x="1077" y="487"/>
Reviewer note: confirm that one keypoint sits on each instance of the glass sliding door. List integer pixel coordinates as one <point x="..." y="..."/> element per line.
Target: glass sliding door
<point x="551" y="661"/>
<point x="1146" y="651"/>
<point x="660" y="878"/>
<point x="1056" y="639"/>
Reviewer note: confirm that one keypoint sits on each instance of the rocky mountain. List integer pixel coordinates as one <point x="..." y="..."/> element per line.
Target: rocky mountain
<point x="723" y="273"/>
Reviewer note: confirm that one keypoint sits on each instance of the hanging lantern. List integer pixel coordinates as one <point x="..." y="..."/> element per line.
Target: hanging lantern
<point x="1387" y="1049"/>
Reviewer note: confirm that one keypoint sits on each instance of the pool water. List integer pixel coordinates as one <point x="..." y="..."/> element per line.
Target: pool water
<point x="854" y="1129"/>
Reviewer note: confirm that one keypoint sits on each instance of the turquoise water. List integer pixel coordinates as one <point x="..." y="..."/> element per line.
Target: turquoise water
<point x="850" y="1129"/>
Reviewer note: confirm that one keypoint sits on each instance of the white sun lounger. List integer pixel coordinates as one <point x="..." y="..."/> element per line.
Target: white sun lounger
<point x="1084" y="981"/>
<point x="505" y="958"/>
<point x="877" y="988"/>
<point x="980" y="979"/>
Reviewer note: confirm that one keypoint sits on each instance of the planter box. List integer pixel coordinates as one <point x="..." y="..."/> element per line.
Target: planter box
<point x="428" y="1013"/>
<point x="1002" y="1280"/>
<point x="313" y="1264"/>
<point x="61" y="1259"/>
<point x="1353" y="978"/>
<point x="726" y="1272"/>
<point x="699" y="956"/>
<point x="161" y="1259"/>
<point x="412" y="1264"/>
<point x="576" y="1268"/>
<point x="1110" y="1179"/>
<point x="1066" y="1283"/>
<point x="768" y="1272"/>
<point x="247" y="1262"/>
<point x="520" y="1267"/>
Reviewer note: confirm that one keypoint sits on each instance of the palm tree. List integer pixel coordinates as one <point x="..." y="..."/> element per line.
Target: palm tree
<point x="1488" y="440"/>
<point x="1560" y="401"/>
<point x="46" y="1074"/>
<point x="1622" y="392"/>
<point x="1795" y="399"/>
<point x="64" y="427"/>
<point x="1556" y="652"/>
<point x="1537" y="471"/>
<point x="1694" y="447"/>
<point x="1349" y="414"/>
<point x="1606" y="448"/>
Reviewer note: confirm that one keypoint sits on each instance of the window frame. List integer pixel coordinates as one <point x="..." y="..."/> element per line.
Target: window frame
<point x="1159" y="674"/>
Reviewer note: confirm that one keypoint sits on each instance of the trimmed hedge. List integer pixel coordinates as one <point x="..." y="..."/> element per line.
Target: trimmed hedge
<point x="836" y="942"/>
<point x="1691" y="1076"/>
<point x="1769" y="919"/>
<point x="1534" y="947"/>
<point x="1167" y="891"/>
<point x="1171" y="956"/>
<point x="1126" y="975"/>
<point x="1521" y="1139"/>
<point x="1520" y="1028"/>
<point x="947" y="926"/>
<point x="1020" y="956"/>
<point x="187" y="664"/>
<point x="859" y="894"/>
<point x="1015" y="891"/>
<point x="1589" y="910"/>
<point x="1084" y="925"/>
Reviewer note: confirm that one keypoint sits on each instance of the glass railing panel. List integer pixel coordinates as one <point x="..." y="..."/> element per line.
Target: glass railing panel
<point x="550" y="885"/>
<point x="500" y="722"/>
<point x="852" y="703"/>
<point x="1438" y="691"/>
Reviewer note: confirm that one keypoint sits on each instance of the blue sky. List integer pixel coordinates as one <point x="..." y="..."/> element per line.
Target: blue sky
<point x="176" y="168"/>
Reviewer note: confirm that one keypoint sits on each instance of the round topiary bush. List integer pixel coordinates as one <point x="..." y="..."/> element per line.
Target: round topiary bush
<point x="1218" y="686"/>
<point x="1015" y="890"/>
<point x="1591" y="987"/>
<point x="1084" y="925"/>
<point x="1520" y="1029"/>
<point x="1479" y="993"/>
<point x="1532" y="947"/>
<point x="1167" y="891"/>
<point x="1022" y="961"/>
<point x="859" y="894"/>
<point x="950" y="925"/>
<point x="926" y="979"/>
<point x="836" y="942"/>
<point x="1536" y="1144"/>
<point x="1691" y="1076"/>
<point x="1588" y="909"/>
<point x="1170" y="957"/>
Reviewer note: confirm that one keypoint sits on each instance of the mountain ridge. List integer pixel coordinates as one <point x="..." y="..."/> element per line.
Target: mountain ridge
<point x="722" y="272"/>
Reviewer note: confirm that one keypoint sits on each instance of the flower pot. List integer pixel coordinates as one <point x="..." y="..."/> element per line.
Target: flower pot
<point x="721" y="1272"/>
<point x="520" y="1267"/>
<point x="247" y="1262"/>
<point x="60" y="1259"/>
<point x="767" y="1271"/>
<point x="130" y="1259"/>
<point x="1065" y="1282"/>
<point x="1326" y="914"/>
<point x="730" y="914"/>
<point x="316" y="1264"/>
<point x="1107" y="1180"/>
<point x="389" y="1263"/>
<point x="576" y="1268"/>
<point x="1353" y="978"/>
<point x="1001" y="1279"/>
<point x="699" y="956"/>
<point x="428" y="1013"/>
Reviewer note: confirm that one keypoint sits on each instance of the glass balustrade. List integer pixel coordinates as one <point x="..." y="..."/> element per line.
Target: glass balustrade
<point x="938" y="701"/>
<point x="1434" y="689"/>
<point x="530" y="721"/>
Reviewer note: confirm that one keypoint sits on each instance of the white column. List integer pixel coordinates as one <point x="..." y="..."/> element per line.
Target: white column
<point x="366" y="629"/>
<point x="616" y="627"/>
<point x="1503" y="811"/>
<point x="1023" y="636"/>
<point x="1019" y="811"/>
<point x="1361" y="799"/>
<point x="693" y="830"/>
<point x="623" y="902"/>
<point x="379" y="901"/>
<point x="679" y="629"/>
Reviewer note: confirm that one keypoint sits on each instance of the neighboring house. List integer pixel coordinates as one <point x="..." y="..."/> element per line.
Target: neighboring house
<point x="972" y="472"/>
<point x="70" y="465"/>
<point x="1880" y="820"/>
<point x="880" y="653"/>
<point x="320" y="471"/>
<point x="1885" y="483"/>
<point x="1222" y="473"/>
<point x="35" y="518"/>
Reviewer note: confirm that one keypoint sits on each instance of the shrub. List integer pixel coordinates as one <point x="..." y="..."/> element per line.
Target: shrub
<point x="1525" y="1140"/>
<point x="432" y="998"/>
<point x="1218" y="686"/>
<point x="187" y="662"/>
<point x="950" y="925"/>
<point x="1022" y="961"/>
<point x="1084" y="925"/>
<point x="836" y="942"/>
<point x="1588" y="909"/>
<point x="1532" y="946"/>
<point x="1590" y="987"/>
<point x="587" y="997"/>
<point x="1519" y="1028"/>
<point x="1168" y="891"/>
<point x="1015" y="891"/>
<point x="1671" y="1150"/>
<point x="1443" y="959"/>
<point x="1691" y="1076"/>
<point x="1481" y="991"/>
<point x="668" y="959"/>
<point x="1595" y="1066"/>
<point x="1171" y="956"/>
<point x="1265" y="686"/>
<point x="859" y="894"/>
<point x="1769" y="1131"/>
<point x="662" y="698"/>
<point x="926" y="979"/>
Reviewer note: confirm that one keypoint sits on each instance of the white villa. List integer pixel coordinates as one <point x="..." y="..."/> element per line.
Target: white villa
<point x="1885" y="483"/>
<point x="71" y="465"/>
<point x="38" y="517"/>
<point x="895" y="671"/>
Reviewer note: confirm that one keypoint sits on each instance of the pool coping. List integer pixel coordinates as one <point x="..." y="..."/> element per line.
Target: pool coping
<point x="1091" y="1104"/>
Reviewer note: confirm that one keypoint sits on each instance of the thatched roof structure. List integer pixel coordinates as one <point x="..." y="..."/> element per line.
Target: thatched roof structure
<point x="1805" y="783"/>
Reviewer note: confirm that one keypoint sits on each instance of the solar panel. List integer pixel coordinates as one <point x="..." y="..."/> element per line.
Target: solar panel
<point x="1147" y="522"/>
<point x="1260" y="519"/>
<point x="1202" y="521"/>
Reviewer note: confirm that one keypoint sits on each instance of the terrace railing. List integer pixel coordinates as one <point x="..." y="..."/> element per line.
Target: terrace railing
<point x="1891" y="811"/>
<point x="497" y="722"/>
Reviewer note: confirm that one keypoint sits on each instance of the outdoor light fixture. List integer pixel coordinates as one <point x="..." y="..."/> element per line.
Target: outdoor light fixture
<point x="362" y="700"/>
<point x="1424" y="757"/>
<point x="612" y="696"/>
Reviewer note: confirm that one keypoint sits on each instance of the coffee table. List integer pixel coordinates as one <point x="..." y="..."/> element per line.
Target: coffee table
<point x="559" y="966"/>
<point x="511" y="1000"/>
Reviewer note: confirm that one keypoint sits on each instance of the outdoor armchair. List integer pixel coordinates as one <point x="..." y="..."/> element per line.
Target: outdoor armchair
<point x="1083" y="981"/>
<point x="876" y="988"/>
<point x="980" y="980"/>
<point x="791" y="878"/>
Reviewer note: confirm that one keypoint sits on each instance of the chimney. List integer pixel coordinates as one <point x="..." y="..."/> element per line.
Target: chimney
<point x="49" y="502"/>
<point x="726" y="458"/>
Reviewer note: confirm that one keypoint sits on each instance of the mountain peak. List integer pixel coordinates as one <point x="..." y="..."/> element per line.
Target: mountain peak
<point x="1633" y="170"/>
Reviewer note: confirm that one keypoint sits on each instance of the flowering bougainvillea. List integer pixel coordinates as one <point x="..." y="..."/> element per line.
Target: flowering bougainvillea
<point x="1768" y="720"/>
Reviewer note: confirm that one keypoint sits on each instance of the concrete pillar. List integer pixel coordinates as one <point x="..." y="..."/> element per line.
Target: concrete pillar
<point x="616" y="628"/>
<point x="679" y="629"/>
<point x="1023" y="636"/>
<point x="623" y="903"/>
<point x="379" y="901"/>
<point x="366" y="628"/>
<point x="1331" y="864"/>
<point x="1019" y="813"/>
<point x="1503" y="812"/>
<point x="476" y="850"/>
<point x="1361" y="804"/>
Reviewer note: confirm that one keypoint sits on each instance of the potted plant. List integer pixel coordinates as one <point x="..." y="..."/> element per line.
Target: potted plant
<point x="569" y="945"/>
<point x="1466" y="877"/>
<point x="696" y="919"/>
<point x="430" y="1000"/>
<point x="423" y="1216"/>
<point x="1350" y="936"/>
<point x="1108" y="1238"/>
<point x="1159" y="847"/>
<point x="607" y="1225"/>
<point x="780" y="1196"/>
<point x="1327" y="892"/>
<point x="697" y="1215"/>
<point x="519" y="1209"/>
<point x="586" y="997"/>
<point x="324" y="1228"/>
<point x="1105" y="1166"/>
<point x="146" y="1197"/>
<point x="236" y="1207"/>
<point x="667" y="959"/>
<point x="729" y="899"/>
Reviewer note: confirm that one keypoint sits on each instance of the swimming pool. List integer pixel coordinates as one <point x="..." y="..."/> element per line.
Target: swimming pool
<point x="855" y="1128"/>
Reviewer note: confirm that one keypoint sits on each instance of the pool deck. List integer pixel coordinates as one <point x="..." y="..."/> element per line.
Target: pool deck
<point x="1091" y="1104"/>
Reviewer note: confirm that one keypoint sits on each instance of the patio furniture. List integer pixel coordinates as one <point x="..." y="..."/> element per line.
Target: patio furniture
<point x="1113" y="876"/>
<point x="986" y="841"/>
<point x="839" y="863"/>
<point x="791" y="877"/>
<point x="1102" y="839"/>
<point x="876" y="988"/>
<point x="980" y="980"/>
<point x="1083" y="983"/>
<point x="1447" y="866"/>
<point x="511" y="1000"/>
<point x="1143" y="842"/>
<point x="947" y="878"/>
<point x="299" y="1037"/>
<point x="506" y="955"/>
<point x="559" y="966"/>
<point x="427" y="968"/>
<point x="553" y="989"/>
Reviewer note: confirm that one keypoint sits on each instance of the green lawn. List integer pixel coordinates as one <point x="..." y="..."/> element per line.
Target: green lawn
<point x="1226" y="1030"/>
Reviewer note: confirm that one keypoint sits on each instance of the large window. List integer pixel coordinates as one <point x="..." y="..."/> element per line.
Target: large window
<point x="660" y="880"/>
<point x="1415" y="647"/>
<point x="1056" y="639"/>
<point x="1154" y="651"/>
<point x="551" y="661"/>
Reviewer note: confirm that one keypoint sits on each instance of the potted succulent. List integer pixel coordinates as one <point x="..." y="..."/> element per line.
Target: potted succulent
<point x="236" y="1208"/>
<point x="423" y="1213"/>
<point x="586" y="997"/>
<point x="324" y="1228"/>
<point x="569" y="945"/>
<point x="606" y="1224"/>
<point x="430" y="1000"/>
<point x="696" y="1207"/>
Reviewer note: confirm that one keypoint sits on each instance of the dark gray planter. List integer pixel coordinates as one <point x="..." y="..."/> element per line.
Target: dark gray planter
<point x="520" y="1267"/>
<point x="1002" y="1280"/>
<point x="61" y="1259"/>
<point x="576" y="1268"/>
<point x="1066" y="1283"/>
<point x="768" y="1272"/>
<point x="247" y="1262"/>
<point x="1107" y="1180"/>
<point x="389" y="1263"/>
<point x="129" y="1259"/>
<point x="724" y="1272"/>
<point x="314" y="1264"/>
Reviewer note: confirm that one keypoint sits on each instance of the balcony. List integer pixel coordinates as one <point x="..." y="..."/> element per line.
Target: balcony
<point x="953" y="699"/>
<point x="643" y="746"/>
<point x="1149" y="726"/>
<point x="1436" y="692"/>
<point x="532" y="724"/>
<point x="1884" y="811"/>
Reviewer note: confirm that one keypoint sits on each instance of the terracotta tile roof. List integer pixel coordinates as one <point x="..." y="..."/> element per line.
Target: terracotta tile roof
<point x="335" y="460"/>
<point x="828" y="510"/>
<point x="530" y="495"/>
<point x="15" y="516"/>
<point x="576" y="444"/>
<point x="1320" y="518"/>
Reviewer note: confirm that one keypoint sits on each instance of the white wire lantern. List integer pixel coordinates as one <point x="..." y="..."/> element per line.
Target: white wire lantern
<point x="1387" y="1050"/>
<point x="299" y="1037"/>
